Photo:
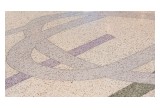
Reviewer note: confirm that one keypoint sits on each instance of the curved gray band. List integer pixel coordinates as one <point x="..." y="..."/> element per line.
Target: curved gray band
<point x="117" y="70"/>
<point x="62" y="56"/>
<point x="20" y="59"/>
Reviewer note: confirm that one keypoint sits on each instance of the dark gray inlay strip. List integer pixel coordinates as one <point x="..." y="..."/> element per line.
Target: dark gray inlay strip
<point x="134" y="90"/>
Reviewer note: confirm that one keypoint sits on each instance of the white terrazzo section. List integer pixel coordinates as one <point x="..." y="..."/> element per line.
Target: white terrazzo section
<point x="131" y="36"/>
<point x="37" y="87"/>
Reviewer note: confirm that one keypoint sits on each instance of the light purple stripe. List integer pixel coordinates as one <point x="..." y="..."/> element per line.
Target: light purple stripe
<point x="83" y="48"/>
<point x="17" y="78"/>
<point x="50" y="63"/>
<point x="79" y="50"/>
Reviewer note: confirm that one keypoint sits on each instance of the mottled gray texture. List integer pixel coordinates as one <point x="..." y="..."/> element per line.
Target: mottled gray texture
<point x="49" y="18"/>
<point x="34" y="35"/>
<point x="15" y="79"/>
<point x="116" y="70"/>
<point x="19" y="56"/>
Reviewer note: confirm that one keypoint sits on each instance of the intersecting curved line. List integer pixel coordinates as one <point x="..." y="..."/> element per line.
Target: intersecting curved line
<point x="49" y="18"/>
<point x="45" y="72"/>
<point x="116" y="70"/>
<point x="44" y="19"/>
<point x="19" y="77"/>
<point x="62" y="56"/>
<point x="15" y="79"/>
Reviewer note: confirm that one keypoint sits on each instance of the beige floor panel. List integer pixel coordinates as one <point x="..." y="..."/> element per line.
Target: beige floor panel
<point x="127" y="41"/>
<point x="115" y="40"/>
<point x="38" y="87"/>
<point x="38" y="57"/>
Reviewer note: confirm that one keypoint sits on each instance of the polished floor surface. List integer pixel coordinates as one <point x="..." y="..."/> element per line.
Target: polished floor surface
<point x="80" y="54"/>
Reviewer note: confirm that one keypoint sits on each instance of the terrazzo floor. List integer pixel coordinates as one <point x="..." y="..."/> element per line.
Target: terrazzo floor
<point x="80" y="54"/>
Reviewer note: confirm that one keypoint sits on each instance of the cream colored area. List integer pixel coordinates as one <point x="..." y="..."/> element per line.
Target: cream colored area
<point x="59" y="22"/>
<point x="38" y="57"/>
<point x="9" y="71"/>
<point x="149" y="67"/>
<point x="38" y="87"/>
<point x="10" y="41"/>
<point x="78" y="36"/>
<point x="131" y="36"/>
<point x="150" y="94"/>
<point x="21" y="18"/>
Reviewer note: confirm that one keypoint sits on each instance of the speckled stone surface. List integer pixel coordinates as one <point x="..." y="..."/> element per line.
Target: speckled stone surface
<point x="80" y="54"/>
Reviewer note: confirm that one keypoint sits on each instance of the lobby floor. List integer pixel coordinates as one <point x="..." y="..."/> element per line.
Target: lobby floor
<point x="80" y="54"/>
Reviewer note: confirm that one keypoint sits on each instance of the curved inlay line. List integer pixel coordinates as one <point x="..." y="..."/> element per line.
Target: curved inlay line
<point x="54" y="52"/>
<point x="116" y="70"/>
<point x="19" y="57"/>
<point x="45" y="19"/>
<point x="19" y="77"/>
<point x="49" y="18"/>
